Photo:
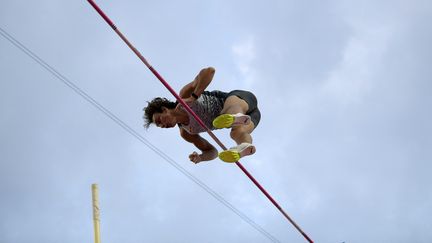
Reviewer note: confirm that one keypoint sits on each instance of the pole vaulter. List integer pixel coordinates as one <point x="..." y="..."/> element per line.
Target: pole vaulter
<point x="190" y="111"/>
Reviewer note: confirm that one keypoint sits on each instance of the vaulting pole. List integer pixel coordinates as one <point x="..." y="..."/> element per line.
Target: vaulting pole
<point x="96" y="215"/>
<point x="190" y="111"/>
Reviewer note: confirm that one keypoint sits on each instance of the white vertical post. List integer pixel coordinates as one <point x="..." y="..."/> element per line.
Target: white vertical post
<point x="96" y="215"/>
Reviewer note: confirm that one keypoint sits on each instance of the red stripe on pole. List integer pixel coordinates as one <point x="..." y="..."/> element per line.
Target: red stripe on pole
<point x="101" y="13"/>
<point x="180" y="100"/>
<point x="273" y="201"/>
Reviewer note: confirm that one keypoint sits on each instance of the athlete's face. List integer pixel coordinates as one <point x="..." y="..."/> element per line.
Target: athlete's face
<point x="164" y="119"/>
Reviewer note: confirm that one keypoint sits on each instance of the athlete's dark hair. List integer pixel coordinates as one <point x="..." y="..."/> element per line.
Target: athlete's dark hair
<point x="155" y="106"/>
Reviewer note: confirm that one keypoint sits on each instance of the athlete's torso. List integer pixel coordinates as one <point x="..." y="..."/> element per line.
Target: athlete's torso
<point x="208" y="106"/>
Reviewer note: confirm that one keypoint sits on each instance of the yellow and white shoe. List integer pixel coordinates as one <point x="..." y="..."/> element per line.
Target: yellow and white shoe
<point x="229" y="120"/>
<point x="233" y="155"/>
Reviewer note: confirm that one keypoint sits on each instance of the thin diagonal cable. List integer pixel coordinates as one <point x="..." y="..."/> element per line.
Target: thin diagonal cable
<point x="135" y="134"/>
<point x="190" y="111"/>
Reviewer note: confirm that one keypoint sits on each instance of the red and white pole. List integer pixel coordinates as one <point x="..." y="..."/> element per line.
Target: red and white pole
<point x="188" y="109"/>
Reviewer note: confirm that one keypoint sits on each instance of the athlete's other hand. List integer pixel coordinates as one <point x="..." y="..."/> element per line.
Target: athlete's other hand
<point x="195" y="157"/>
<point x="189" y="100"/>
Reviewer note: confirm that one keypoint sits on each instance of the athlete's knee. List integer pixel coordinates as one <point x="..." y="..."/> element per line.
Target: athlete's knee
<point x="234" y="104"/>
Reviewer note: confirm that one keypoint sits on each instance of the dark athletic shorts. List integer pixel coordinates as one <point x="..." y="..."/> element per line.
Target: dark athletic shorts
<point x="252" y="102"/>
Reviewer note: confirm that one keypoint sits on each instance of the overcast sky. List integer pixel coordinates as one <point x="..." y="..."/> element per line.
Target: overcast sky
<point x="344" y="144"/>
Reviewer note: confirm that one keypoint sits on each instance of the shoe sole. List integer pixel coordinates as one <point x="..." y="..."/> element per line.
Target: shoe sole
<point x="229" y="120"/>
<point x="232" y="156"/>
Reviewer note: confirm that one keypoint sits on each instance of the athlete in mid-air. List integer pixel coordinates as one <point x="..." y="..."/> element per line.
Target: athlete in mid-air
<point x="237" y="110"/>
